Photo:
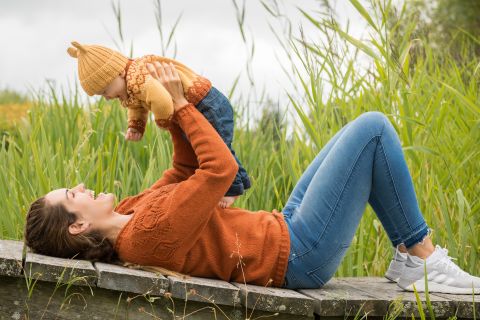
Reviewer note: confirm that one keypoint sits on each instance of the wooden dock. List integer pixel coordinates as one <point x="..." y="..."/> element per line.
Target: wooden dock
<point x="33" y="286"/>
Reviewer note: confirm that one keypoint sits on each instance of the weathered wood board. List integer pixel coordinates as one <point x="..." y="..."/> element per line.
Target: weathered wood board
<point x="68" y="288"/>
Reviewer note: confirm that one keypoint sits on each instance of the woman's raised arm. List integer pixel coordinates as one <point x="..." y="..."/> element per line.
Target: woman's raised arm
<point x="184" y="160"/>
<point x="193" y="201"/>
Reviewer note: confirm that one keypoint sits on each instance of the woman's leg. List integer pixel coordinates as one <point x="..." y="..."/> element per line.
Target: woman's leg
<point x="296" y="197"/>
<point x="364" y="162"/>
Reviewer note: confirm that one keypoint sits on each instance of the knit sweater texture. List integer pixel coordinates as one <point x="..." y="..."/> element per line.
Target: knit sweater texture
<point x="147" y="94"/>
<point x="177" y="223"/>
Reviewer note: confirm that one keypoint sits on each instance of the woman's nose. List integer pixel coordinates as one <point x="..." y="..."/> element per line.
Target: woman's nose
<point x="80" y="187"/>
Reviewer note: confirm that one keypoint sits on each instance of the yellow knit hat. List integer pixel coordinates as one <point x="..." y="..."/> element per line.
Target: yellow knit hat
<point x="97" y="66"/>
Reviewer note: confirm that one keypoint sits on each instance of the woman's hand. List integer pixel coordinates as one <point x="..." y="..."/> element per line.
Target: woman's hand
<point x="169" y="78"/>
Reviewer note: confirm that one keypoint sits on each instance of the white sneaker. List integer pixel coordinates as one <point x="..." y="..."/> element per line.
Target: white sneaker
<point x="442" y="273"/>
<point x="396" y="266"/>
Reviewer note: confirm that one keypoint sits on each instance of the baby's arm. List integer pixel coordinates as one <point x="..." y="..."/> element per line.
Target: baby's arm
<point x="159" y="101"/>
<point x="137" y="120"/>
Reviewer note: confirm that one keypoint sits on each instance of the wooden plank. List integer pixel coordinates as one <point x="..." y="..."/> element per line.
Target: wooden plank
<point x="337" y="299"/>
<point x="340" y="297"/>
<point x="464" y="304"/>
<point x="205" y="290"/>
<point x="11" y="254"/>
<point x="386" y="291"/>
<point x="374" y="296"/>
<point x="120" y="278"/>
<point x="275" y="300"/>
<point x="48" y="301"/>
<point x="78" y="272"/>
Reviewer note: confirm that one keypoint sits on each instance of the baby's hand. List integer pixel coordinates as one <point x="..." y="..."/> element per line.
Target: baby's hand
<point x="133" y="135"/>
<point x="227" y="201"/>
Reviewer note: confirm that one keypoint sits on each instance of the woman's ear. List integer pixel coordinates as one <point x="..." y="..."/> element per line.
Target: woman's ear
<point x="78" y="227"/>
<point x="122" y="74"/>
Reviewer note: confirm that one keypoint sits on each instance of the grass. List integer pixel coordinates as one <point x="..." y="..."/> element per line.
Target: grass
<point x="431" y="97"/>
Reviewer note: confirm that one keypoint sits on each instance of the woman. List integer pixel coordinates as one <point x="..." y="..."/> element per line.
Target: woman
<point x="176" y="223"/>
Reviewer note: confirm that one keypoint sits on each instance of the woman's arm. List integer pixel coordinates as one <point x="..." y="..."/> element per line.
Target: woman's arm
<point x="184" y="160"/>
<point x="192" y="202"/>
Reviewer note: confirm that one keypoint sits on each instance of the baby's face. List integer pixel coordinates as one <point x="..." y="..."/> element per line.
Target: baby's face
<point x="116" y="89"/>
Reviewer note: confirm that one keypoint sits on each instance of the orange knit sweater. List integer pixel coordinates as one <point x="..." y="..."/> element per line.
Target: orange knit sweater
<point x="177" y="223"/>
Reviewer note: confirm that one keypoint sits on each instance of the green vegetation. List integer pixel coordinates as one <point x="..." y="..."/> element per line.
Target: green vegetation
<point x="430" y="95"/>
<point x="13" y="107"/>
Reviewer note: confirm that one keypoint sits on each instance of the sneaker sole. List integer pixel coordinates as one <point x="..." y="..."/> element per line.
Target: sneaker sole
<point x="390" y="278"/>
<point x="439" y="288"/>
<point x="392" y="275"/>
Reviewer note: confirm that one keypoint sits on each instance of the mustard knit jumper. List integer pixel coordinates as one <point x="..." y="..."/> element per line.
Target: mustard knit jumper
<point x="98" y="66"/>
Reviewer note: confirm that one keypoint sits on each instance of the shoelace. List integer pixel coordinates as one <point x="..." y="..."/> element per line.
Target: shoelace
<point x="446" y="260"/>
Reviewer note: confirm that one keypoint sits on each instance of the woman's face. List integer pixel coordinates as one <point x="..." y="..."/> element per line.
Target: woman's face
<point x="92" y="212"/>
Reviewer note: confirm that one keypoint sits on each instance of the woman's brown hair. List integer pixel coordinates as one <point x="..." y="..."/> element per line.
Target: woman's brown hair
<point x="46" y="232"/>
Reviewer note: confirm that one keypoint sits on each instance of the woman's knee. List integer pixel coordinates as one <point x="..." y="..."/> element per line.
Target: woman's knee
<point x="373" y="120"/>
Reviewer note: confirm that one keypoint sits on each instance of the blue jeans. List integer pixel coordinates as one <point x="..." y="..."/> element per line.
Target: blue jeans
<point x="363" y="162"/>
<point x="219" y="112"/>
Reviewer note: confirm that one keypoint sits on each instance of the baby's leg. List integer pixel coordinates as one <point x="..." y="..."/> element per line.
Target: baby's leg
<point x="219" y="112"/>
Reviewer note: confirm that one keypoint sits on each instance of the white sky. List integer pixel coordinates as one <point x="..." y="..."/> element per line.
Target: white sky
<point x="36" y="33"/>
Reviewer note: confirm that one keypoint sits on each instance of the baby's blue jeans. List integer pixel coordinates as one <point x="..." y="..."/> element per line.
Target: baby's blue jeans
<point x="363" y="162"/>
<point x="219" y="112"/>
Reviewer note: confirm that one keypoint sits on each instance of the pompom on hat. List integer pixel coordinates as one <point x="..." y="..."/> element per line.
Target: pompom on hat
<point x="97" y="66"/>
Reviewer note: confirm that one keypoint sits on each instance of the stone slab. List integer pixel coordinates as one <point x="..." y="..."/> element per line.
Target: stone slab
<point x="73" y="271"/>
<point x="275" y="300"/>
<point x="11" y="254"/>
<point x="205" y="290"/>
<point x="120" y="278"/>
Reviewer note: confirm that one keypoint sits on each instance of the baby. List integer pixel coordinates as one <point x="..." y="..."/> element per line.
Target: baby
<point x="106" y="72"/>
